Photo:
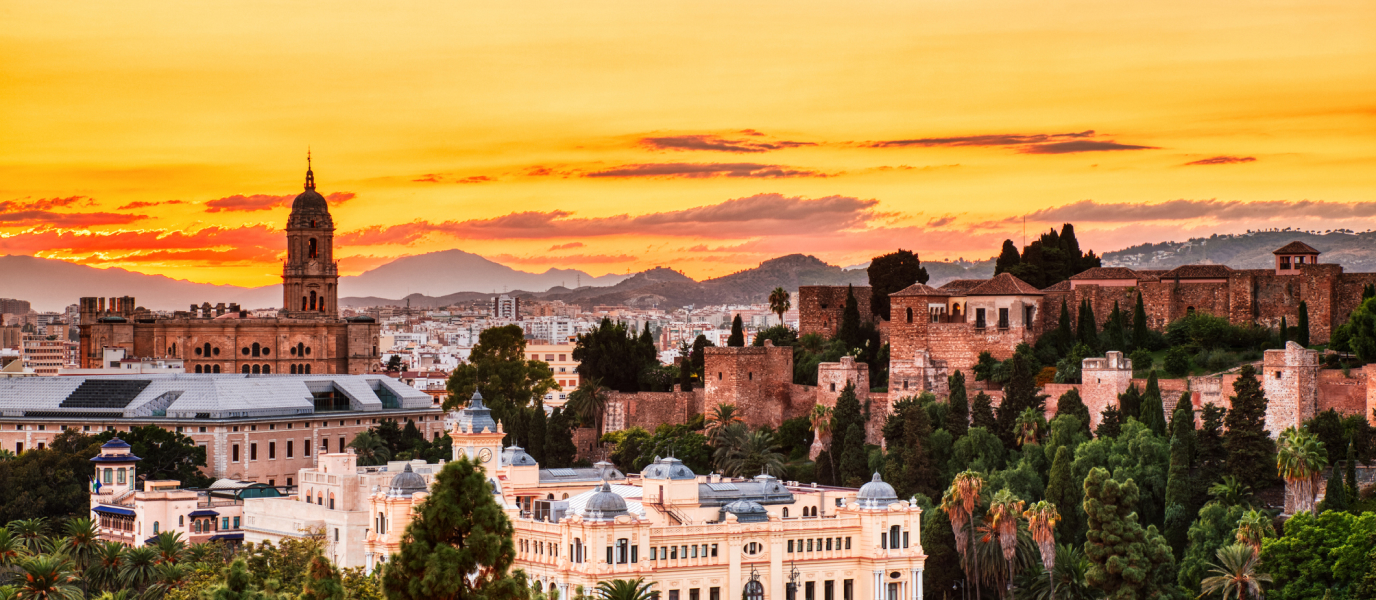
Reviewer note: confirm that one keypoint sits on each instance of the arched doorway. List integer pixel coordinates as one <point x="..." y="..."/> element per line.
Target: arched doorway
<point x="754" y="590"/>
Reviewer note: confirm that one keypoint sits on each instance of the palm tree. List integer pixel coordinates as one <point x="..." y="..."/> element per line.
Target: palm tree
<point x="589" y="402"/>
<point x="201" y="553"/>
<point x="1004" y="509"/>
<point x="1235" y="575"/>
<point x="6" y="455"/>
<point x="625" y="589"/>
<point x="370" y="448"/>
<point x="959" y="502"/>
<point x="1300" y="460"/>
<point x="171" y="548"/>
<point x="1029" y="426"/>
<point x="169" y="577"/>
<point x="12" y="549"/>
<point x="1069" y="579"/>
<point x="139" y="567"/>
<point x="103" y="572"/>
<point x="1253" y="527"/>
<point x="748" y="453"/>
<point x="722" y="417"/>
<point x="1231" y="492"/>
<point x="83" y="537"/>
<point x="47" y="577"/>
<point x="1041" y="521"/>
<point x="30" y="533"/>
<point x="779" y="303"/>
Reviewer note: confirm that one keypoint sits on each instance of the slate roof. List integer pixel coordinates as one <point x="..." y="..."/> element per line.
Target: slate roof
<point x="1004" y="284"/>
<point x="921" y="289"/>
<point x="962" y="285"/>
<point x="1198" y="272"/>
<point x="1105" y="273"/>
<point x="1296" y="247"/>
<point x="763" y="489"/>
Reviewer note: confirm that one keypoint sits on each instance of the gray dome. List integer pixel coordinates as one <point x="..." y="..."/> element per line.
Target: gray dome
<point x="407" y="482"/>
<point x="876" y="494"/>
<point x="516" y="456"/>
<point x="477" y="417"/>
<point x="667" y="468"/>
<point x="605" y="504"/>
<point x="309" y="200"/>
<point x="746" y="511"/>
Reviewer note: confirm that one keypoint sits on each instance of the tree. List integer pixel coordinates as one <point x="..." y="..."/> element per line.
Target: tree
<point x="845" y="413"/>
<point x="1335" y="497"/>
<point x="1086" y="328"/>
<point x="1214" y="528"/>
<point x="615" y="355"/>
<point x="458" y="544"/>
<point x="510" y="385"/>
<point x="722" y="417"/>
<point x="908" y="465"/>
<point x="559" y="444"/>
<point x="1177" y="361"/>
<point x="1181" y="505"/>
<point x="1211" y="456"/>
<point x="47" y="577"/>
<point x="1284" y="331"/>
<point x="1126" y="560"/>
<point x="237" y="584"/>
<point x="892" y="273"/>
<point x="394" y="364"/>
<point x="1110" y="423"/>
<point x="166" y="454"/>
<point x="1358" y="334"/>
<point x="1004" y="509"/>
<point x="959" y="503"/>
<point x="737" y="338"/>
<point x="1061" y="490"/>
<point x="1136" y="454"/>
<point x="1130" y="402"/>
<point x="1041" y="521"/>
<point x="1140" y="334"/>
<point x="1008" y="258"/>
<point x="1302" y="325"/>
<point x="959" y="421"/>
<point x="854" y="459"/>
<point x="1329" y="553"/>
<point x="779" y="303"/>
<point x="1070" y="403"/>
<point x="820" y="420"/>
<point x="849" y="330"/>
<point x="322" y="581"/>
<point x="589" y="403"/>
<point x="741" y="452"/>
<point x="370" y="448"/>
<point x="699" y="356"/>
<point x="1019" y="394"/>
<point x="1253" y="528"/>
<point x="1251" y="453"/>
<point x="982" y="412"/>
<point x="626" y="589"/>
<point x="1236" y="574"/>
<point x="1028" y="428"/>
<point x="1115" y="335"/>
<point x="1152" y="413"/>
<point x="1300" y="459"/>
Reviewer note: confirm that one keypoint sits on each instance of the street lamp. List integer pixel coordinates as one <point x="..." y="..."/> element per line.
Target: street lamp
<point x="793" y="577"/>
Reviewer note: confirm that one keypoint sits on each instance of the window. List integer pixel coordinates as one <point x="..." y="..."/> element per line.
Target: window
<point x="253" y="451"/>
<point x="1003" y="318"/>
<point x="828" y="543"/>
<point x="910" y="315"/>
<point x="754" y="590"/>
<point x="673" y="552"/>
<point x="785" y="512"/>
<point x="829" y="590"/>
<point x="905" y="539"/>
<point x="236" y="522"/>
<point x="654" y="552"/>
<point x="180" y="521"/>
<point x="673" y="594"/>
<point x="155" y="528"/>
<point x="809" y="544"/>
<point x="635" y="554"/>
<point x="848" y="542"/>
<point x="235" y="452"/>
<point x="714" y="593"/>
<point x="224" y="522"/>
<point x="790" y="544"/>
<point x="833" y="386"/>
<point x="884" y="541"/>
<point x="289" y="451"/>
<point x="895" y="534"/>
<point x="288" y="482"/>
<point x="109" y="475"/>
<point x="714" y="550"/>
<point x="19" y="447"/>
<point x="336" y="534"/>
<point x="695" y="551"/>
<point x="119" y="476"/>
<point x="979" y="318"/>
<point x="622" y="550"/>
<point x="810" y="590"/>
<point x="694" y="595"/>
<point x="272" y="450"/>
<point x="848" y="587"/>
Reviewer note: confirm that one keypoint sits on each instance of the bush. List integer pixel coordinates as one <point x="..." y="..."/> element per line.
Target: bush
<point x="1177" y="361"/>
<point x="1199" y="331"/>
<point x="1141" y="359"/>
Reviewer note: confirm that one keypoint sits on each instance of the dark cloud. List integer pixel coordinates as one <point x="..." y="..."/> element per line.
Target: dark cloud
<point x="439" y="178"/>
<point x="141" y="204"/>
<point x="257" y="202"/>
<point x="568" y="246"/>
<point x="49" y="219"/>
<point x="31" y="242"/>
<point x="1080" y="146"/>
<point x="706" y="170"/>
<point x="1218" y="210"/>
<point x="45" y="203"/>
<point x="714" y="143"/>
<point x="1223" y="160"/>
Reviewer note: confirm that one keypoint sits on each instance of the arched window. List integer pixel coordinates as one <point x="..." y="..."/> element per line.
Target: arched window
<point x="257" y="370"/>
<point x="198" y="368"/>
<point x="267" y="369"/>
<point x="155" y="528"/>
<point x="303" y="303"/>
<point x="754" y="590"/>
<point x="308" y="369"/>
<point x="246" y="369"/>
<point x="314" y="251"/>
<point x="331" y="500"/>
<point x="216" y="368"/>
<point x="181" y="521"/>
<point x="257" y="350"/>
<point x="785" y="512"/>
<point x="293" y="369"/>
<point x="312" y="299"/>
<point x="910" y="314"/>
<point x="207" y="348"/>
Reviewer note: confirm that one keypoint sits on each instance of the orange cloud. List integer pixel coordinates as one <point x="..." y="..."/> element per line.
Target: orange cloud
<point x="257" y="202"/>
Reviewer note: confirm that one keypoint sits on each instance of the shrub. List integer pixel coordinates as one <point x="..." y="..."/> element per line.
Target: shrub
<point x="1177" y="361"/>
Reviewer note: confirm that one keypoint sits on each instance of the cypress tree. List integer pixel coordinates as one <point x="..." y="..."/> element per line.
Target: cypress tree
<point x="1302" y="326"/>
<point x="825" y="475"/>
<point x="1351" y="464"/>
<point x="322" y="581"/>
<point x="1008" y="258"/>
<point x="1140" y="335"/>
<point x="1211" y="456"/>
<point x="1130" y="402"/>
<point x="537" y="432"/>
<point x="685" y="374"/>
<point x="1334" y="496"/>
<point x="1110" y="423"/>
<point x="1180" y="491"/>
<point x="958" y="421"/>
<point x="1065" y="335"/>
<point x="1062" y="491"/>
<point x="1019" y="394"/>
<point x="854" y="462"/>
<point x="1086" y="331"/>
<point x="1251" y="452"/>
<point x="559" y="446"/>
<point x="737" y="338"/>
<point x="1070" y="403"/>
<point x="1113" y="330"/>
<point x="982" y="412"/>
<point x="461" y="527"/>
<point x="843" y="415"/>
<point x="849" y="331"/>
<point x="1284" y="332"/>
<point x="1153" y="412"/>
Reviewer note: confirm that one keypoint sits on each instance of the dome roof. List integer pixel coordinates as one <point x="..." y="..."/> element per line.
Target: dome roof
<point x="516" y="456"/>
<point x="407" y="482"/>
<point x="876" y="494"/>
<point x="115" y="443"/>
<point x="667" y="468"/>
<point x="309" y="200"/>
<point x="747" y="511"/>
<point x="605" y="504"/>
<point x="476" y="417"/>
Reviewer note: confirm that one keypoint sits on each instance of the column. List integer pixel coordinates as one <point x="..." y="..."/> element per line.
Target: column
<point x="917" y="584"/>
<point x="732" y="547"/>
<point x="776" y="566"/>
<point x="878" y="585"/>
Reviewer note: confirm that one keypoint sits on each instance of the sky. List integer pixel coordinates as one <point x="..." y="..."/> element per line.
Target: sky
<point x="170" y="138"/>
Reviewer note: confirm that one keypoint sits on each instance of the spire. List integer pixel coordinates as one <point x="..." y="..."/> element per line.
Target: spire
<point x="310" y="177"/>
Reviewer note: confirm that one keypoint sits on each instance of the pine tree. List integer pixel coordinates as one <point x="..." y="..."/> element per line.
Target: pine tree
<point x="909" y="467"/>
<point x="958" y="419"/>
<point x="458" y="545"/>
<point x="237" y="586"/>
<point x="1110" y="423"/>
<point x="1180" y="492"/>
<point x="1302" y="325"/>
<point x="1086" y="330"/>
<point x="1062" y="491"/>
<point x="737" y="338"/>
<point x="854" y="461"/>
<point x="1008" y="258"/>
<point x="1065" y="335"/>
<point x="847" y="412"/>
<point x="1153" y="413"/>
<point x="849" y="331"/>
<point x="1070" y="403"/>
<point x="1140" y="334"/>
<point x="1334" y="496"/>
<point x="982" y="412"/>
<point x="1130" y="402"/>
<point x="1019" y="394"/>
<point x="322" y="581"/>
<point x="1251" y="451"/>
<point x="1211" y="456"/>
<point x="1126" y="561"/>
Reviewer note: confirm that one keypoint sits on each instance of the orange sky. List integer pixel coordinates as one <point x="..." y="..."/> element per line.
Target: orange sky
<point x="707" y="136"/>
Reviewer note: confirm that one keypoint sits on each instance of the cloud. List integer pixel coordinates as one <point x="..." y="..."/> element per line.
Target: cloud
<point x="257" y="202"/>
<point x="568" y="246"/>
<point x="45" y="203"/>
<point x="1223" y="160"/>
<point x="141" y="204"/>
<point x="714" y="143"/>
<point x="441" y="178"/>
<point x="1080" y="146"/>
<point x="202" y="255"/>
<point x="1218" y="210"/>
<point x="48" y="219"/>
<point x="752" y="216"/>
<point x="77" y="242"/>
<point x="706" y="170"/>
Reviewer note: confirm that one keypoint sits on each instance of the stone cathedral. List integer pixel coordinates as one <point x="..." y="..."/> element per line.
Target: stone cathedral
<point x="306" y="337"/>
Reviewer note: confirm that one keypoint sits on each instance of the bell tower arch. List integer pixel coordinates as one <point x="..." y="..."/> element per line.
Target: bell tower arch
<point x="310" y="276"/>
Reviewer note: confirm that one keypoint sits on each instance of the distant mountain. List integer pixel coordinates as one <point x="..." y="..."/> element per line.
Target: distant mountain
<point x="1356" y="252"/>
<point x="52" y="285"/>
<point x="450" y="271"/>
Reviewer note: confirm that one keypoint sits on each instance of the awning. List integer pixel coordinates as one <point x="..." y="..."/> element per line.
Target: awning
<point x="203" y="513"/>
<point x="237" y="535"/>
<point x="110" y="510"/>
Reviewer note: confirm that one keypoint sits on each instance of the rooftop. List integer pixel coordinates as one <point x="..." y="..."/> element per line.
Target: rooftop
<point x="1198" y="272"/>
<point x="1105" y="273"/>
<point x="1296" y="247"/>
<point x="921" y="289"/>
<point x="1004" y="284"/>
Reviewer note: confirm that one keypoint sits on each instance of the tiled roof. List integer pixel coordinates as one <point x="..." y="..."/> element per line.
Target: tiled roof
<point x="1063" y="286"/>
<point x="921" y="289"/>
<point x="1296" y="247"/>
<point x="1004" y="284"/>
<point x="1106" y="273"/>
<point x="1198" y="272"/>
<point x="962" y="285"/>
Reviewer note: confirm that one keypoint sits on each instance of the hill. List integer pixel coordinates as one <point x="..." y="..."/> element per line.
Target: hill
<point x="450" y="271"/>
<point x="52" y="285"/>
<point x="1356" y="252"/>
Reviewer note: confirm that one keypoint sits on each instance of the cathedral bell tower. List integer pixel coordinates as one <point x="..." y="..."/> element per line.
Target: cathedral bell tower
<point x="310" y="277"/>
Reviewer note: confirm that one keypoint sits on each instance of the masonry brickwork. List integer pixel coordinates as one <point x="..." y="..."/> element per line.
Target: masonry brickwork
<point x="1290" y="379"/>
<point x="1103" y="380"/>
<point x="820" y="308"/>
<point x="758" y="380"/>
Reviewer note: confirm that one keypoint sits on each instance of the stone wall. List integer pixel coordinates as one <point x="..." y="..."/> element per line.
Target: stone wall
<point x="1290" y="379"/>
<point x="649" y="410"/>
<point x="758" y="380"/>
<point x="1103" y="379"/>
<point x="1343" y="393"/>
<point x="820" y="308"/>
<point x="833" y="377"/>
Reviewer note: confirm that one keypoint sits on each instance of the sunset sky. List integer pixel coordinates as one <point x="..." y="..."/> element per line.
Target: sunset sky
<point x="706" y="136"/>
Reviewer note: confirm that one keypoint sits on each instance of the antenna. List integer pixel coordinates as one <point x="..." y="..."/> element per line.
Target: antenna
<point x="1024" y="231"/>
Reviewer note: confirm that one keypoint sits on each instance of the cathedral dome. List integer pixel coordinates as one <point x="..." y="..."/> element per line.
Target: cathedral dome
<point x="876" y="494"/>
<point x="309" y="200"/>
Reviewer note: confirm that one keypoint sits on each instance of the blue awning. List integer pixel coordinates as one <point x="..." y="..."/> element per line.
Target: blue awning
<point x="110" y="510"/>
<point x="237" y="535"/>
<point x="203" y="513"/>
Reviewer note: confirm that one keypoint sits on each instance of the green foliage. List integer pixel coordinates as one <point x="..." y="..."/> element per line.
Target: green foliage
<point x="322" y="581"/>
<point x="510" y="385"/>
<point x="959" y="415"/>
<point x="1136" y="454"/>
<point x="626" y="589"/>
<point x="892" y="273"/>
<point x="370" y="448"/>
<point x="1115" y="335"/>
<point x="1181" y="492"/>
<point x="1302" y="325"/>
<point x="743" y="452"/>
<point x="980" y="450"/>
<point x="166" y="454"/>
<point x="1130" y="402"/>
<point x="1110" y="423"/>
<point x="1050" y="259"/>
<point x="458" y="545"/>
<point x="51" y="483"/>
<point x="1071" y="404"/>
<point x="1141" y="334"/>
<point x="697" y="355"/>
<point x="795" y="437"/>
<point x="982" y="412"/>
<point x="1358" y="334"/>
<point x="1251" y="451"/>
<point x="1213" y="529"/>
<point x="1008" y="258"/>
<point x="1177" y="361"/>
<point x="780" y="335"/>
<point x="1126" y="561"/>
<point x="1020" y="394"/>
<point x="737" y="337"/>
<point x="1086" y="328"/>
<point x="1334" y="495"/>
<point x="909" y="467"/>
<point x="559" y="446"/>
<point x="854" y="463"/>
<point x="615" y="355"/>
<point x="849" y="329"/>
<point x="1199" y="331"/>
<point x="1152" y="413"/>
<point x="984" y="366"/>
<point x="1068" y="367"/>
<point x="1065" y="492"/>
<point x="843" y="415"/>
<point x="1326" y="554"/>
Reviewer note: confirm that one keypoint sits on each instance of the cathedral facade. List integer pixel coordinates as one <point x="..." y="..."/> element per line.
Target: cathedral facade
<point x="306" y="337"/>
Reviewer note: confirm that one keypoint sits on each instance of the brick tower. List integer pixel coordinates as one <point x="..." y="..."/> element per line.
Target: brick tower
<point x="310" y="277"/>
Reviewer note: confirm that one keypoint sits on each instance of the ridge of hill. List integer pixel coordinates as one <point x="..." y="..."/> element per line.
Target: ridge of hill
<point x="52" y="285"/>
<point x="1356" y="252"/>
<point x="451" y="271"/>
